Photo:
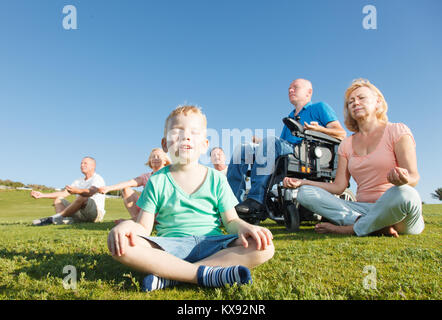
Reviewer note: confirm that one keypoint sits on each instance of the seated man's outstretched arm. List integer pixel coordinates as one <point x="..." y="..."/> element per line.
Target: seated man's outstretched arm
<point x="333" y="129"/>
<point x="52" y="195"/>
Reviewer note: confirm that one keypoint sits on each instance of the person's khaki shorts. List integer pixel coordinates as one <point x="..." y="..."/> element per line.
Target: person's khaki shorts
<point x="89" y="213"/>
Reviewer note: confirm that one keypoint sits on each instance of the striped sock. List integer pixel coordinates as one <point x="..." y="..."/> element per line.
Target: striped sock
<point x="219" y="276"/>
<point x="152" y="282"/>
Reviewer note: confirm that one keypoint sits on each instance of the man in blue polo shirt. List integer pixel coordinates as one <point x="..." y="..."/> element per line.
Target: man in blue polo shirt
<point x="314" y="116"/>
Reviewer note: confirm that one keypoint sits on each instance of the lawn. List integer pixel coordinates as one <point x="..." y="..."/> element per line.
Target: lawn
<point x="305" y="266"/>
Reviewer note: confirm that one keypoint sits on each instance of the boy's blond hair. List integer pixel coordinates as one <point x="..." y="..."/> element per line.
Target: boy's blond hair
<point x="185" y="110"/>
<point x="351" y="123"/>
<point x="163" y="154"/>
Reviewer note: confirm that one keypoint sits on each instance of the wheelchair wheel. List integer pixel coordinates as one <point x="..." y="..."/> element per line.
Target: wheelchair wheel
<point x="291" y="217"/>
<point x="275" y="208"/>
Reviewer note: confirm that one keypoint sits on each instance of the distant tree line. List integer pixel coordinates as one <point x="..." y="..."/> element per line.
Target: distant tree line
<point x="17" y="184"/>
<point x="9" y="183"/>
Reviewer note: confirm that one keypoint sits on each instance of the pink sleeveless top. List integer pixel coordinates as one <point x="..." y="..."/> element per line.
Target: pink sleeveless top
<point x="370" y="171"/>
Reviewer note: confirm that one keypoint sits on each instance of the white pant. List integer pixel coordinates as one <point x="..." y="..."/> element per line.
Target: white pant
<point x="400" y="207"/>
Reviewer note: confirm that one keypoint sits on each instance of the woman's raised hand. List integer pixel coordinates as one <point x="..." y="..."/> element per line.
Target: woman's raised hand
<point x="398" y="176"/>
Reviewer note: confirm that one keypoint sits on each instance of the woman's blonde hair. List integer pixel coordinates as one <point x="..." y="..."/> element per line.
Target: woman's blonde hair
<point x="381" y="114"/>
<point x="163" y="155"/>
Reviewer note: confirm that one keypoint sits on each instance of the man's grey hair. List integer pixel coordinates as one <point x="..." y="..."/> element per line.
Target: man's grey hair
<point x="89" y="157"/>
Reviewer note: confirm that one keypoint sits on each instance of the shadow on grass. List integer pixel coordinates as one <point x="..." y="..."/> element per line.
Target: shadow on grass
<point x="94" y="267"/>
<point x="89" y="267"/>
<point x="98" y="226"/>
<point x="306" y="232"/>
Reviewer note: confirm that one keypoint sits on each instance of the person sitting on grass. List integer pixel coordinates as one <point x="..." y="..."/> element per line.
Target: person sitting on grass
<point x="157" y="160"/>
<point x="218" y="159"/>
<point x="87" y="207"/>
<point x="381" y="157"/>
<point x="191" y="202"/>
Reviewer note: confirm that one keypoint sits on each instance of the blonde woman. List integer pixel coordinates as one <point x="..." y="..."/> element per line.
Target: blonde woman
<point x="157" y="160"/>
<point x="381" y="157"/>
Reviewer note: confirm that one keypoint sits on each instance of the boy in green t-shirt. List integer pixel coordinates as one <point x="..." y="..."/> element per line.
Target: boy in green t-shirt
<point x="190" y="201"/>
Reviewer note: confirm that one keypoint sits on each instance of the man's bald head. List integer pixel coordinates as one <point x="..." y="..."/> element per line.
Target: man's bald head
<point x="306" y="83"/>
<point x="300" y="92"/>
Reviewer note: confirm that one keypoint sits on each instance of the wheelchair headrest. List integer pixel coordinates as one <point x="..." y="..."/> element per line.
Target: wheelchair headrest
<point x="293" y="125"/>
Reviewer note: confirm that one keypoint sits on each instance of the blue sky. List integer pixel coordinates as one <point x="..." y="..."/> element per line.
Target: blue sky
<point x="105" y="89"/>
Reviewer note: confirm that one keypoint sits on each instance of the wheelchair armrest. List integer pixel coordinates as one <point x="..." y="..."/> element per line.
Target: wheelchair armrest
<point x="298" y="130"/>
<point x="293" y="125"/>
<point x="321" y="136"/>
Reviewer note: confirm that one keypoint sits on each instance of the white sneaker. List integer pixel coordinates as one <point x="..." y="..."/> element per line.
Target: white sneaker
<point x="43" y="221"/>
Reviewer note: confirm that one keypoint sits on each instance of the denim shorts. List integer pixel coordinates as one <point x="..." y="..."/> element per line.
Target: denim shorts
<point x="193" y="248"/>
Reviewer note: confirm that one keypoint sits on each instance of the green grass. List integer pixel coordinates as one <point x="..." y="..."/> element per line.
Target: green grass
<point x="305" y="266"/>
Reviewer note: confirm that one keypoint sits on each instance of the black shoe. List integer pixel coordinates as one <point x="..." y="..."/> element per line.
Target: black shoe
<point x="43" y="221"/>
<point x="249" y="206"/>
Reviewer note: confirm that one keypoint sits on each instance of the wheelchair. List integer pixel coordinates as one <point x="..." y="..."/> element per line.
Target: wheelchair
<point x="315" y="158"/>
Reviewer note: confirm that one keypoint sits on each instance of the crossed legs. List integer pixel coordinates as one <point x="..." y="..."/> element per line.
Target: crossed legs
<point x="398" y="210"/>
<point x="69" y="210"/>
<point x="147" y="257"/>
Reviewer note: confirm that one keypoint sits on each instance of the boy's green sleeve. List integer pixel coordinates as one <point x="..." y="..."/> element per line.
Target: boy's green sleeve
<point x="148" y="200"/>
<point x="226" y="198"/>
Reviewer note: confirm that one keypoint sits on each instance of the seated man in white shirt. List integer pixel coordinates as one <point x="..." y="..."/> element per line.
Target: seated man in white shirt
<point x="87" y="207"/>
